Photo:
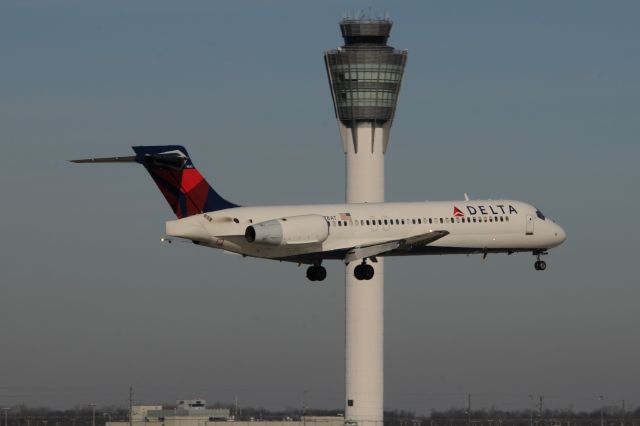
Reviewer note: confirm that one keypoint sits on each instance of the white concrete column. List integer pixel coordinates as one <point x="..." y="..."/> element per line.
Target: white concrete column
<point x="364" y="309"/>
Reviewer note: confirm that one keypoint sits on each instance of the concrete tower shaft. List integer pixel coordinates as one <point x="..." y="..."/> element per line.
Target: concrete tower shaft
<point x="365" y="77"/>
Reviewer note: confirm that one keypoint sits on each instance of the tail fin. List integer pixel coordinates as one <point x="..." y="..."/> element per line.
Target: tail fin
<point x="182" y="185"/>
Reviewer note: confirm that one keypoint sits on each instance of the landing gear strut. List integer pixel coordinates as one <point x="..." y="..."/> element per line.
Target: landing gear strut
<point x="540" y="265"/>
<point x="363" y="271"/>
<point x="316" y="273"/>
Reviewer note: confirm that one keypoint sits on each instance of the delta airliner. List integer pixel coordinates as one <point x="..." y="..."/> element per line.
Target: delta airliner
<point x="310" y="234"/>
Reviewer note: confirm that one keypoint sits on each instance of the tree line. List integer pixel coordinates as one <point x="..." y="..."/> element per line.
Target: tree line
<point x="22" y="415"/>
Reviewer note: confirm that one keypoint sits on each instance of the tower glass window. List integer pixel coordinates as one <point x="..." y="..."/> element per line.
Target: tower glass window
<point x="365" y="74"/>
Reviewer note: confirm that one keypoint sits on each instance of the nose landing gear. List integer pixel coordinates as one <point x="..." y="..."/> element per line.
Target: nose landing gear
<point x="316" y="273"/>
<point x="363" y="271"/>
<point x="540" y="265"/>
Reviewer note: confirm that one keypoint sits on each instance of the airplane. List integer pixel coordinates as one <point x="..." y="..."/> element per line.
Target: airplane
<point x="311" y="234"/>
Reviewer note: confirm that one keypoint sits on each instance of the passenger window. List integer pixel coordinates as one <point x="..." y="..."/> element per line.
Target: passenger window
<point x="403" y="221"/>
<point x="419" y="221"/>
<point x="413" y="221"/>
<point x="379" y="221"/>
<point x="501" y="219"/>
<point x="339" y="223"/>
<point x="385" y="221"/>
<point x="367" y="222"/>
<point x="441" y="221"/>
<point x="506" y="218"/>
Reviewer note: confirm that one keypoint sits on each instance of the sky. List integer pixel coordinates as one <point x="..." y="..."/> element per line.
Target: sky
<point x="534" y="101"/>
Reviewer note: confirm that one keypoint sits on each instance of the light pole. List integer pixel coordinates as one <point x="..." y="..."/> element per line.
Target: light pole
<point x="601" y="398"/>
<point x="6" y="410"/>
<point x="531" y="419"/>
<point x="93" y="414"/>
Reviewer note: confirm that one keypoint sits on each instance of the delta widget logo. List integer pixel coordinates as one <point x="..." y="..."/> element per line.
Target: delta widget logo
<point x="457" y="212"/>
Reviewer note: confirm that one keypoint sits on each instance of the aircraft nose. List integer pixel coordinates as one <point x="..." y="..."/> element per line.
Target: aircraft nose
<point x="559" y="233"/>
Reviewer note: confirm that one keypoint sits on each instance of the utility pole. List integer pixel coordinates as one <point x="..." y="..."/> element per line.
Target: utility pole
<point x="130" y="405"/>
<point x="468" y="409"/>
<point x="601" y="398"/>
<point x="531" y="411"/>
<point x="93" y="414"/>
<point x="540" y="408"/>
<point x="304" y="407"/>
<point x="235" y="410"/>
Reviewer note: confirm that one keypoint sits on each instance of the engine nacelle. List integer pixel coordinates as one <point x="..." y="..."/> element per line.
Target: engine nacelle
<point x="306" y="229"/>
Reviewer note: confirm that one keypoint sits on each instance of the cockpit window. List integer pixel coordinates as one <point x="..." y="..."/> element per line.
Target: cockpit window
<point x="540" y="215"/>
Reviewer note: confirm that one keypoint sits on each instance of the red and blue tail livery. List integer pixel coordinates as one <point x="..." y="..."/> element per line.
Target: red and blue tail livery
<point x="184" y="188"/>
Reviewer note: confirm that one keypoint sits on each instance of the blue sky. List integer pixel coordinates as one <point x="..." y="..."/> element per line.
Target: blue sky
<point x="534" y="101"/>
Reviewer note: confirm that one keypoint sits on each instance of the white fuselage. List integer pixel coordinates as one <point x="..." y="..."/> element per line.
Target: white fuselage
<point x="473" y="226"/>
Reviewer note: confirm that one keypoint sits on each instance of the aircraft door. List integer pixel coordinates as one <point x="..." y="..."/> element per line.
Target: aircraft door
<point x="529" y="224"/>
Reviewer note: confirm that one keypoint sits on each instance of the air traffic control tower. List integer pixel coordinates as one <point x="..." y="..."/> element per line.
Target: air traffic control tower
<point x="365" y="76"/>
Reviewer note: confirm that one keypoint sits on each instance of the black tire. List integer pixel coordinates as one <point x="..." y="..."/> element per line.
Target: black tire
<point x="542" y="266"/>
<point x="369" y="272"/>
<point x="536" y="265"/>
<point x="321" y="273"/>
<point x="359" y="273"/>
<point x="311" y="273"/>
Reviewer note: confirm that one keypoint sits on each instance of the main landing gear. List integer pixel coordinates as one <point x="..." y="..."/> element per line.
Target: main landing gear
<point x="316" y="273"/>
<point x="540" y="265"/>
<point x="363" y="271"/>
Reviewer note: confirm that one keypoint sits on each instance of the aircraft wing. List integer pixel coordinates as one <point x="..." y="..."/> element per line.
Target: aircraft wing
<point x="371" y="250"/>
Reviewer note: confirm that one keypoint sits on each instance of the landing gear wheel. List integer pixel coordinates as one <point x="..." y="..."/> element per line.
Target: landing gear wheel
<point x="316" y="273"/>
<point x="321" y="273"/>
<point x="540" y="265"/>
<point x="363" y="272"/>
<point x="358" y="272"/>
<point x="368" y="272"/>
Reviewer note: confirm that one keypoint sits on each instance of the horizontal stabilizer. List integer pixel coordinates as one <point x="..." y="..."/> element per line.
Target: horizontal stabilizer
<point x="129" y="159"/>
<point x="171" y="168"/>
